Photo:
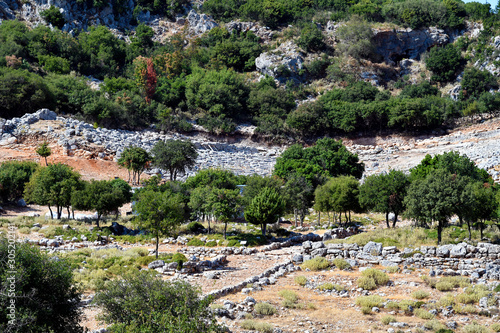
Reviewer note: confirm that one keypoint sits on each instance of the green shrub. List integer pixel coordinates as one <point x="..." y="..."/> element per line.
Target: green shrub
<point x="366" y="310"/>
<point x="420" y="294"/>
<point x="474" y="328"/>
<point x="253" y="325"/>
<point x="434" y="325"/>
<point x="24" y="230"/>
<point x="495" y="327"/>
<point x="290" y="298"/>
<point x="211" y="243"/>
<point x="45" y="294"/>
<point x="444" y="286"/>
<point x="380" y="277"/>
<point x="315" y="264"/>
<point x="127" y="305"/>
<point x="466" y="309"/>
<point x="391" y="305"/>
<point x="264" y="308"/>
<point x="300" y="280"/>
<point x="372" y="278"/>
<point x="341" y="263"/>
<point x="423" y="314"/>
<point x="446" y="300"/>
<point x="369" y="301"/>
<point x="195" y="228"/>
<point x="53" y="16"/>
<point x="367" y="283"/>
<point x="392" y="269"/>
<point x="195" y="242"/>
<point x="311" y="306"/>
<point x="386" y="320"/>
<point x="497" y="289"/>
<point x="330" y="286"/>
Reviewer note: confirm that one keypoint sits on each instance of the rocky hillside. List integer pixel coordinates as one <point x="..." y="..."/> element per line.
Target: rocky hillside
<point x="295" y="74"/>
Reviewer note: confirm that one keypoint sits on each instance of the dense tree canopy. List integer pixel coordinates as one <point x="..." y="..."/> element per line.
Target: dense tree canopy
<point x="265" y="208"/>
<point x="385" y="193"/>
<point x="53" y="186"/>
<point x="176" y="156"/>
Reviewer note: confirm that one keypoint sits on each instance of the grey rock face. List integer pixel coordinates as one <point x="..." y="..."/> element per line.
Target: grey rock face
<point x="200" y="23"/>
<point x="283" y="64"/>
<point x="407" y="43"/>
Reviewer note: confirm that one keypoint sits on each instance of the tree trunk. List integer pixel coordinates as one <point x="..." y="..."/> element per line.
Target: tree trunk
<point x="157" y="243"/>
<point x="387" y="219"/>
<point x="59" y="211"/>
<point x="395" y="220"/>
<point x="69" y="215"/>
<point x="225" y="230"/>
<point x="264" y="227"/>
<point x="51" y="214"/>
<point x="329" y="221"/>
<point x="319" y="218"/>
<point x="98" y="218"/>
<point x="481" y="228"/>
<point x="295" y="217"/>
<point x="46" y="164"/>
<point x="346" y="218"/>
<point x="208" y="225"/>
<point x="340" y="218"/>
<point x="349" y="216"/>
<point x="440" y="229"/>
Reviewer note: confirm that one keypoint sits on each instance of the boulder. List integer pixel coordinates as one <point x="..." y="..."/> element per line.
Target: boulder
<point x="444" y="250"/>
<point x="458" y="251"/>
<point x="199" y="24"/>
<point x="372" y="248"/>
<point x="283" y="64"/>
<point x="156" y="264"/>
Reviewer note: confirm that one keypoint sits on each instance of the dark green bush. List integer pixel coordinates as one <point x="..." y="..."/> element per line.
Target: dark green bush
<point x="142" y="303"/>
<point x="195" y="227"/>
<point x="444" y="62"/>
<point x="53" y="16"/>
<point x="45" y="296"/>
<point x="13" y="176"/>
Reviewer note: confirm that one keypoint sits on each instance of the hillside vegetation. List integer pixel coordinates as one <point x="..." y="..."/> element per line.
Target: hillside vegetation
<point x="211" y="79"/>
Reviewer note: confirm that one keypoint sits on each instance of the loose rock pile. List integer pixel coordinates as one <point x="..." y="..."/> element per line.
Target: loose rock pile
<point x="78" y="136"/>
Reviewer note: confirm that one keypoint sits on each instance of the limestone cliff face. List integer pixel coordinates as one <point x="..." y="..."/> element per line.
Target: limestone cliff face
<point x="394" y="45"/>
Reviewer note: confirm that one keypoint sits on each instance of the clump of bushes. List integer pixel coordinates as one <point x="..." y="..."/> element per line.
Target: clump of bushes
<point x="423" y="314"/>
<point x="315" y="264"/>
<point x="495" y="327"/>
<point x="420" y="294"/>
<point x="254" y="325"/>
<point x="330" y="286"/>
<point x="372" y="278"/>
<point x="386" y="320"/>
<point x="290" y="298"/>
<point x="369" y="301"/>
<point x="195" y="242"/>
<point x="475" y="328"/>
<point x="264" y="308"/>
<point x="341" y="263"/>
<point x="301" y="280"/>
